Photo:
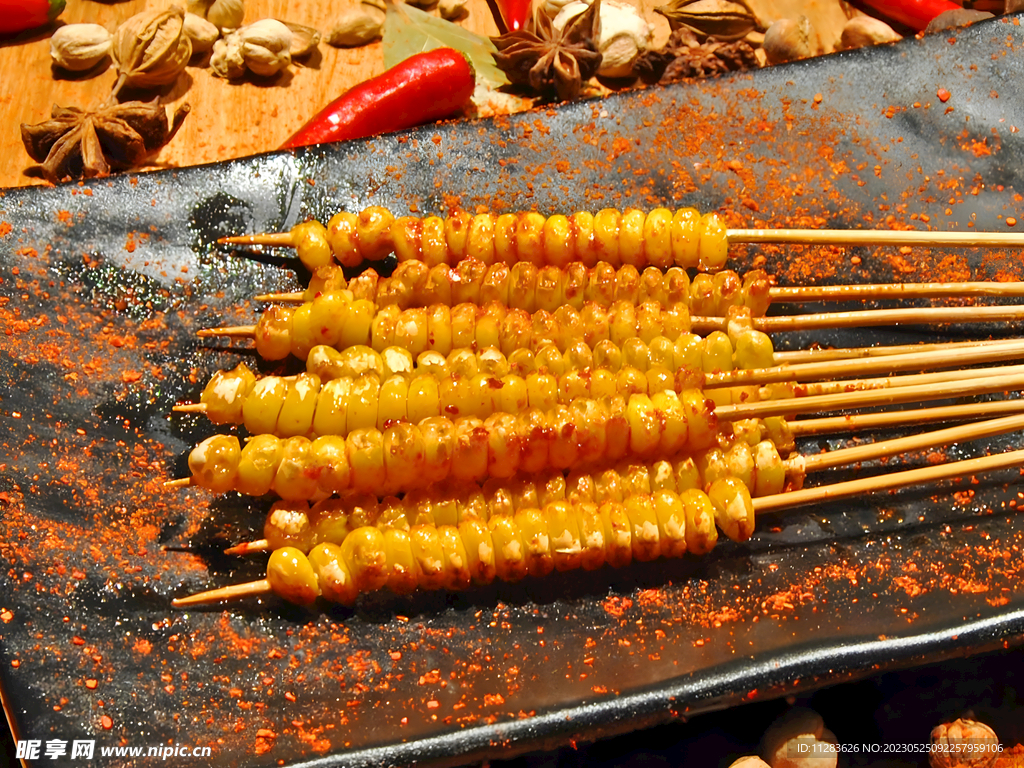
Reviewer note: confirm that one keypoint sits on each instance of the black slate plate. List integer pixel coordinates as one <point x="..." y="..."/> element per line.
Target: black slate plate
<point x="104" y="284"/>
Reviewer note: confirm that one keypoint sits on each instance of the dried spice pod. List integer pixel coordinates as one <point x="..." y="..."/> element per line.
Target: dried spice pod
<point x="151" y="49"/>
<point x="79" y="47"/>
<point x="711" y="19"/>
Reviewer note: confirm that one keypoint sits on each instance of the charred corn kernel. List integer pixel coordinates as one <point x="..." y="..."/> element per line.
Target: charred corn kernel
<point x="522" y="362"/>
<point x="257" y="465"/>
<point x="363" y="551"/>
<point x="480" y="241"/>
<point x="603" y="284"/>
<point x="534" y="440"/>
<point x="382" y="327"/>
<point x="644" y="534"/>
<point x="622" y="322"/>
<point x="549" y="293"/>
<point x="617" y="534"/>
<point x="330" y="364"/>
<point x="686" y="238"/>
<point x="541" y="391"/>
<point x="403" y="577"/>
<point x="677" y="285"/>
<point x="602" y="384"/>
<point x="341" y="234"/>
<point x="274" y="333"/>
<point x="675" y="426"/>
<point x="537" y="541"/>
<point x="412" y="332"/>
<point x="517" y="332"/>
<point x="687" y="475"/>
<point x="291" y="481"/>
<point x="489" y="321"/>
<point x="433" y="243"/>
<point x="310" y="241"/>
<point x="617" y="433"/>
<point x="557" y="241"/>
<point x="424" y="398"/>
<point x="466" y="281"/>
<point x="739" y="460"/>
<point x="549" y="359"/>
<point x="292" y="577"/>
<point x="608" y="355"/>
<point x="754" y="350"/>
<point x="530" y="237"/>
<point x="373" y="232"/>
<point x="456" y="561"/>
<point x="701" y="533"/>
<point x="263" y="405"/>
<point x="429" y="557"/>
<point x="502" y="445"/>
<point x="329" y="464"/>
<point x="296" y="416"/>
<point x="564" y="449"/>
<point x="712" y="465"/>
<point x="564" y="536"/>
<point x="226" y="393"/>
<point x="330" y="520"/>
<point x="509" y="549"/>
<point x="505" y="239"/>
<point x="631" y="381"/>
<point x="363" y="402"/>
<point x="480" y="554"/>
<point x="606" y="235"/>
<point x="713" y="246"/>
<point x="438" y="286"/>
<point x="469" y="460"/>
<point x="702" y="295"/>
<point x="589" y="417"/>
<point x="769" y="473"/>
<point x="456" y="230"/>
<point x="574" y="284"/>
<point x="592" y="541"/>
<point x="495" y="285"/>
<point x="573" y="384"/>
<point x="396" y="361"/>
<point x="671" y="516"/>
<point x="287" y="525"/>
<point x="700" y="419"/>
<point x="333" y="576"/>
<point x="407" y="234"/>
<point x="652" y="286"/>
<point x="734" y="509"/>
<point x="364" y="285"/>
<point x="663" y="477"/>
<point x="463" y="362"/>
<point x="728" y="291"/>
<point x="584" y="242"/>
<point x="439" y="438"/>
<point x="649" y="321"/>
<point x="512" y="396"/>
<point x="366" y="458"/>
<point x="432" y="363"/>
<point x="463" y="319"/>
<point x="631" y="240"/>
<point x="393" y="402"/>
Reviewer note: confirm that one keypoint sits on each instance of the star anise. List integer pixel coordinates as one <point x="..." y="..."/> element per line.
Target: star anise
<point x="683" y="57"/>
<point x="550" y="61"/>
<point x="75" y="143"/>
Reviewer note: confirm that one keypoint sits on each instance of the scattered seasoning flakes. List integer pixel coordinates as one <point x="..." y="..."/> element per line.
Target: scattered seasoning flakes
<point x="106" y="722"/>
<point x="91" y="684"/>
<point x="943" y="95"/>
<point x="1010" y="221"/>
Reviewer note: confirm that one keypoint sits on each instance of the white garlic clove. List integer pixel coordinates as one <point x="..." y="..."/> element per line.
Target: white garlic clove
<point x="227" y="60"/>
<point x="624" y="34"/>
<point x="79" y="47"/>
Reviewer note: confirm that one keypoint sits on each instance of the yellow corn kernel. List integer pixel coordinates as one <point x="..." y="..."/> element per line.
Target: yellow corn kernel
<point x="439" y="329"/>
<point x="609" y="486"/>
<point x="509" y="549"/>
<point x="754" y="350"/>
<point x="456" y="230"/>
<point x="734" y="509"/>
<point x="617" y="428"/>
<point x="579" y="487"/>
<point x="713" y="246"/>
<point x="355" y="324"/>
<point x="649" y="321"/>
<point x="617" y="534"/>
<point x="687" y="475"/>
<point x="432" y="363"/>
<point x="602" y="284"/>
<point x="541" y="391"/>
<point x="592" y="539"/>
<point x="291" y="481"/>
<point x="463" y="362"/>
<point x="516" y="333"/>
<point x="573" y="384"/>
<point x="659" y="379"/>
<point x="702" y="295"/>
<point x="740" y="461"/>
<point x="437" y="289"/>
<point x="330" y="416"/>
<point x="717" y="356"/>
<point x="329" y="465"/>
<point x="489" y="322"/>
<point x="700" y="419"/>
<point x="645" y="425"/>
<point x="631" y="381"/>
<point x="631" y="239"/>
<point x="456" y="560"/>
<point x="645" y="535"/>
<point x="291" y="576"/>
<point x="661" y="352"/>
<point x="396" y="361"/>
<point x="480" y="555"/>
<point x="492" y="361"/>
<point x="480" y="400"/>
<point x="287" y="525"/>
<point x="622" y="322"/>
<point x="364" y="552"/>
<point x="728" y="291"/>
<point x="329" y="364"/>
<point x="366" y="458"/>
<point x="226" y="393"/>
<point x="382" y="328"/>
<point x="393" y="403"/>
<point x="330" y="519"/>
<point x="511" y="396"/>
<point x="522" y="286"/>
<point x="311" y="245"/>
<point x="549" y="359"/>
<point x="505" y="239"/>
<point x="565" y="448"/>
<point x="439" y="446"/>
<point x="469" y="461"/>
<point x="658" y="238"/>
<point x="406" y="235"/>
<point x="574" y="285"/>
<point x="433" y="244"/>
<point x="536" y="538"/>
<point x="671" y="516"/>
<point x="578" y="356"/>
<point x="341" y="234"/>
<point x="549" y="294"/>
<point x="471" y="501"/>
<point x="404" y="458"/>
<point x="480" y="242"/>
<point x="263" y="405"/>
<point x="534" y="440"/>
<point x="363" y="401"/>
<point x="303" y="338"/>
<point x="686" y="238"/>
<point x="330" y="278"/>
<point x="274" y="333"/>
<point x="770" y="472"/>
<point x="636" y="354"/>
<point x="676" y="320"/>
<point x="689" y="352"/>
<point x="675" y="429"/>
<point x="424" y="398"/>
<point x="463" y="326"/>
<point x="296" y="416"/>
<point x="558" y="241"/>
<point x="467" y="278"/>
<point x="636" y="478"/>
<point x="327" y="315"/>
<point x="606" y="235"/>
<point x="663" y="477"/>
<point x="590" y="418"/>
<point x="676" y="285"/>
<point x="495" y="285"/>
<point x="411" y="331"/>
<point x="502" y="445"/>
<point x="530" y="237"/>
<point x="569" y="326"/>
<point x="652" y="286"/>
<point x="332" y="574"/>
<point x="403" y="576"/>
<point x="581" y="230"/>
<point x="602" y="383"/>
<point x="373" y="232"/>
<point x="564" y="533"/>
<point x="608" y="355"/>
<point x="522" y="362"/>
<point x="257" y="465"/>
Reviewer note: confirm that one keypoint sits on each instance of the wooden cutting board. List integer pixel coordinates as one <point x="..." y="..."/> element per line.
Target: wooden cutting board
<point x="230" y="119"/>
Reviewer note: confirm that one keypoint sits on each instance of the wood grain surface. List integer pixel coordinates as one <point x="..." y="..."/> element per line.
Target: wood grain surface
<point x="234" y="119"/>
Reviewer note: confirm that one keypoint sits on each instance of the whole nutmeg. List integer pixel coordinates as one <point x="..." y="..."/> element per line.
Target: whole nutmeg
<point x="202" y="33"/>
<point x="151" y="48"/>
<point x="790" y="40"/>
<point x="79" y="47"/>
<point x="963" y="744"/>
<point x="862" y="31"/>
<point x="799" y="739"/>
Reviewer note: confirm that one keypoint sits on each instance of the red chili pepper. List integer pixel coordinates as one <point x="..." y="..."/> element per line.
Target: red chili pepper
<point x="514" y="13"/>
<point x="912" y="13"/>
<point x="421" y="89"/>
<point x="20" y="15"/>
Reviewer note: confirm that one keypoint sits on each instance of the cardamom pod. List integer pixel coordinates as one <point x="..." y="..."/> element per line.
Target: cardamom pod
<point x="201" y="32"/>
<point x="223" y="14"/>
<point x="266" y="47"/>
<point x="79" y="47"/>
<point x="452" y="9"/>
<point x="356" y="26"/>
<point x="717" y="19"/>
<point x="304" y="39"/>
<point x="227" y="60"/>
<point x="151" y="49"/>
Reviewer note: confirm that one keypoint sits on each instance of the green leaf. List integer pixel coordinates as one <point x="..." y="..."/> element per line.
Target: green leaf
<point x="408" y="31"/>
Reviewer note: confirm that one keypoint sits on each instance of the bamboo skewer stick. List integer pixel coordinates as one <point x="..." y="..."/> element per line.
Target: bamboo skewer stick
<point x="815" y="389"/>
<point x="869" y="399"/>
<point x="858" y="421"/>
<point x="233" y="592"/>
<point x="844" y="353"/>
